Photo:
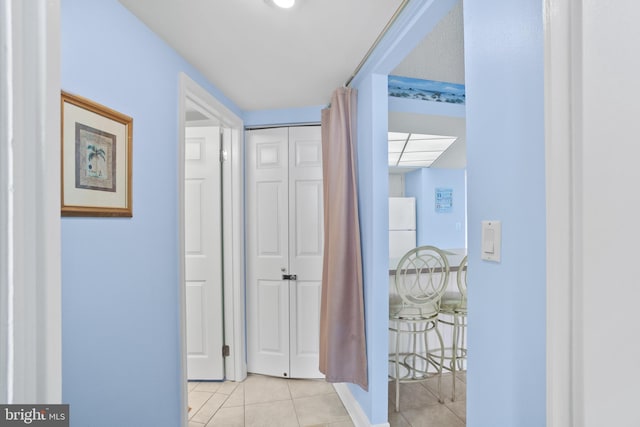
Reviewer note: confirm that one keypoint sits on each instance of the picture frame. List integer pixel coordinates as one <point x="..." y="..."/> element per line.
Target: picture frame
<point x="96" y="159"/>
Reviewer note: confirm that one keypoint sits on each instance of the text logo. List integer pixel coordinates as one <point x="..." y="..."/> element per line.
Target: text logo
<point x="34" y="415"/>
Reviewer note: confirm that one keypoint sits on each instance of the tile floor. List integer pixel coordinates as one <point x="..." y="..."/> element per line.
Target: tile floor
<point x="419" y="406"/>
<point x="265" y="401"/>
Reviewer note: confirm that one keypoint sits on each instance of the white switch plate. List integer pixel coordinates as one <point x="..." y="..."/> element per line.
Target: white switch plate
<point x="491" y="240"/>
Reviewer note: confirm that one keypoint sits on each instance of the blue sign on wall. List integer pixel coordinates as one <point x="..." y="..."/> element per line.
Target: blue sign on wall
<point x="444" y="200"/>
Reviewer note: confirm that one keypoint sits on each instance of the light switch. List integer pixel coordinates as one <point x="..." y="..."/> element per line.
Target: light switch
<point x="488" y="241"/>
<point x="491" y="236"/>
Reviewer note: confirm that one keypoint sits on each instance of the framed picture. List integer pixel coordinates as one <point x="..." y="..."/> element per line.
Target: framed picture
<point x="96" y="159"/>
<point x="444" y="200"/>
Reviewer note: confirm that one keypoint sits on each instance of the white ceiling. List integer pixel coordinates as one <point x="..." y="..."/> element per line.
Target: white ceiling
<point x="262" y="57"/>
<point x="440" y="56"/>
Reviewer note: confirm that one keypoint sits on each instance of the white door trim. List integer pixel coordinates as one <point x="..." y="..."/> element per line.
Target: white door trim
<point x="233" y="233"/>
<point x="30" y="278"/>
<point x="563" y="121"/>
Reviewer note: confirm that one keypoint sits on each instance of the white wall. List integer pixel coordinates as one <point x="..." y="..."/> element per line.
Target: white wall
<point x="608" y="348"/>
<point x="396" y="185"/>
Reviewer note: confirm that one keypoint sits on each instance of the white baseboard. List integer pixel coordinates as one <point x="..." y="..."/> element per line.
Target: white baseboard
<point x="356" y="413"/>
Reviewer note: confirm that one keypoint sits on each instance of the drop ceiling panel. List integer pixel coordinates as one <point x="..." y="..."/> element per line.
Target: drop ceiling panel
<point x="437" y="145"/>
<point x="455" y="156"/>
<point x="408" y="149"/>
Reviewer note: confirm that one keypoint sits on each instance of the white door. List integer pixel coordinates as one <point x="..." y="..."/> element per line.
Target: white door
<point x="284" y="237"/>
<point x="203" y="254"/>
<point x="267" y="252"/>
<point x="306" y="236"/>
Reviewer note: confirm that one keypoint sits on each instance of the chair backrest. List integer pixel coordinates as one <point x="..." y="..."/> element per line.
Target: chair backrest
<point x="462" y="278"/>
<point x="421" y="277"/>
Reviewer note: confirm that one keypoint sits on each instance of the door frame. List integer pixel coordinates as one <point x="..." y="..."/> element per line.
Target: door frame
<point x="30" y="263"/>
<point x="563" y="173"/>
<point x="232" y="233"/>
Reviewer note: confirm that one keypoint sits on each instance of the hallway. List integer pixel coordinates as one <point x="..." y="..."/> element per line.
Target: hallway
<point x="266" y="401"/>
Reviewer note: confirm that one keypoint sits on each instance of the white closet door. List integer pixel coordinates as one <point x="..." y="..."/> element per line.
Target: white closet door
<point x="306" y="235"/>
<point x="284" y="236"/>
<point x="203" y="254"/>
<point x="267" y="252"/>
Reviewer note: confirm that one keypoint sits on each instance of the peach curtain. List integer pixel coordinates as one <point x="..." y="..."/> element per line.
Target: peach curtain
<point x="343" y="354"/>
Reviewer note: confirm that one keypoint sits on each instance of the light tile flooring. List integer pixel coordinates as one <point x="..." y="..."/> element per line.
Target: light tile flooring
<point x="266" y="401"/>
<point x="262" y="401"/>
<point x="419" y="404"/>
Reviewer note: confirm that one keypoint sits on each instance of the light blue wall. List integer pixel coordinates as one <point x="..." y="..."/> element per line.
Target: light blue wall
<point x="120" y="291"/>
<point x="505" y="140"/>
<point x="373" y="194"/>
<point x="444" y="230"/>
<point x="504" y="62"/>
<point x="284" y="116"/>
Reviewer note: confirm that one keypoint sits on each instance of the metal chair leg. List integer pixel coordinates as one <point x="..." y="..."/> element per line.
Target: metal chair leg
<point x="440" y="365"/>
<point x="397" y="360"/>
<point x="454" y="356"/>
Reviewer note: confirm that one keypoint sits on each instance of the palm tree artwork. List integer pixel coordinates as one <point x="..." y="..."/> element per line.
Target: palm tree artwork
<point x="95" y="153"/>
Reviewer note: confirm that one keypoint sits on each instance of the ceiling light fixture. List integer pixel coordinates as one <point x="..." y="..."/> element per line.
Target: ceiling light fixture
<point x="285" y="4"/>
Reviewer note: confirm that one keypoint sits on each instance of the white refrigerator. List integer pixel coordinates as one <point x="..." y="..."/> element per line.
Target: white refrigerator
<point x="402" y="226"/>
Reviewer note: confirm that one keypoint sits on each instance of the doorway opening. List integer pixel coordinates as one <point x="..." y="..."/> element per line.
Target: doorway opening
<point x="199" y="109"/>
<point x="426" y="125"/>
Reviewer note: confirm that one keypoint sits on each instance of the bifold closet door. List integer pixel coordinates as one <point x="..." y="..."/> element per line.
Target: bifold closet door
<point x="306" y="237"/>
<point x="284" y="250"/>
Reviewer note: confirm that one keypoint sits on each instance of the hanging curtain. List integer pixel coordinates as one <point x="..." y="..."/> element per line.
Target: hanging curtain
<point x="343" y="353"/>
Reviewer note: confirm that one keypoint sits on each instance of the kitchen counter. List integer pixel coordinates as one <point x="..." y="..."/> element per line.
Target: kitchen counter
<point x="454" y="256"/>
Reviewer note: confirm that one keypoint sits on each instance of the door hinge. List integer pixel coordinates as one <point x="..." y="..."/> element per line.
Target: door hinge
<point x="225" y="351"/>
<point x="223" y="156"/>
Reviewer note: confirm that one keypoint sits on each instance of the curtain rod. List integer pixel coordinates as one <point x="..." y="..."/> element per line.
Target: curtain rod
<point x="377" y="41"/>
<point x="280" y="125"/>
